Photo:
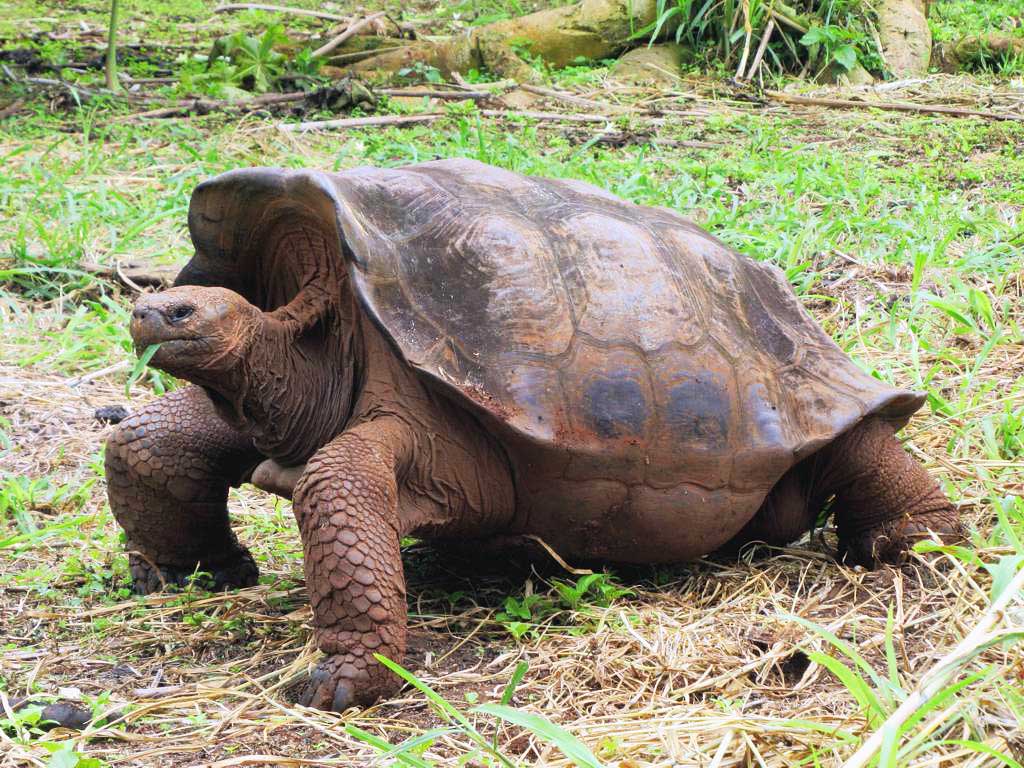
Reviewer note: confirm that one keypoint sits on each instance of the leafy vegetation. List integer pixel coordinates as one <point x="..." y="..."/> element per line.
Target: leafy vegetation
<point x="835" y="33"/>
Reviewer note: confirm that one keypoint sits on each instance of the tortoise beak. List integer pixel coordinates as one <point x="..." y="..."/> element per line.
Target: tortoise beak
<point x="159" y="318"/>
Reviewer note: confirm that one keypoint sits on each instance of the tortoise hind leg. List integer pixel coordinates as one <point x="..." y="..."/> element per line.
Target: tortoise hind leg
<point x="885" y="501"/>
<point x="168" y="470"/>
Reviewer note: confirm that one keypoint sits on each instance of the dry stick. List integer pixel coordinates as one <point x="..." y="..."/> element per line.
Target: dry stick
<point x="326" y="48"/>
<point x="279" y="9"/>
<point x="555" y="117"/>
<point x="888" y="106"/>
<point x="568" y="98"/>
<point x="723" y="747"/>
<point x="359" y="122"/>
<point x="142" y="274"/>
<point x="202" y="106"/>
<point x="363" y="122"/>
<point x="783" y="19"/>
<point x="157" y="692"/>
<point x="749" y="31"/>
<point x="769" y="28"/>
<point x="444" y="95"/>
<point x="546" y="116"/>
<point x="935" y="679"/>
<point x="11" y="109"/>
<point x="349" y="58"/>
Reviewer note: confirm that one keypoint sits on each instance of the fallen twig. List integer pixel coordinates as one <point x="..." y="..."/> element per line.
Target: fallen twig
<point x="443" y="95"/>
<point x="279" y="9"/>
<point x="359" y="122"/>
<point x="351" y="30"/>
<point x="136" y="277"/>
<point x="888" y="106"/>
<point x="158" y="692"/>
<point x="546" y="116"/>
<point x="12" y="109"/>
<point x="202" y="106"/>
<point x="364" y="122"/>
<point x="768" y="29"/>
<point x="569" y="98"/>
<point x="618" y="138"/>
<point x="355" y="56"/>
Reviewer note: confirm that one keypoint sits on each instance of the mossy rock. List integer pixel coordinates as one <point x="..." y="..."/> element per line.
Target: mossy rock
<point x="657" y="65"/>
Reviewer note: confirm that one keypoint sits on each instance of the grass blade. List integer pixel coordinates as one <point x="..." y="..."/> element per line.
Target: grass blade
<point x="543" y="728"/>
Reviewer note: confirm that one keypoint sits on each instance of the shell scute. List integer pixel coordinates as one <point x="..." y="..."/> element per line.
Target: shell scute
<point x="632" y="287"/>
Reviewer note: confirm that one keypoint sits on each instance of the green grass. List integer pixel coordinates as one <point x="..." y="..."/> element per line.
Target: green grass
<point x="952" y="19"/>
<point x="902" y="234"/>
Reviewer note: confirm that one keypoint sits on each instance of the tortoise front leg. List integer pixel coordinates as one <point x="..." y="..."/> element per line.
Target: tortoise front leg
<point x="168" y="468"/>
<point x="885" y="501"/>
<point x="346" y="505"/>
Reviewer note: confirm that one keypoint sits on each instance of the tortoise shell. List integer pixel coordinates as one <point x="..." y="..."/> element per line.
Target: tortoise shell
<point x="576" y="320"/>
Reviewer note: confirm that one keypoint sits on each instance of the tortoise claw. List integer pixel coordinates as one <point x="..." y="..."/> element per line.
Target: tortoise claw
<point x="891" y="542"/>
<point x="235" y="572"/>
<point x="325" y="691"/>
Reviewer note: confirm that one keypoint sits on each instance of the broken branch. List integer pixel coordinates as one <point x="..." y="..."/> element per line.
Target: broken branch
<point x="889" y="106"/>
<point x="443" y="95"/>
<point x="326" y="48"/>
<point x="568" y="98"/>
<point x="768" y="29"/>
<point x="278" y="9"/>
<point x="359" y="122"/>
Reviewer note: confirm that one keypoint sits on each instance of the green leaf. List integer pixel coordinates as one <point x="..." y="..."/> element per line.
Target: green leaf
<point x="890" y="650"/>
<point x="65" y="758"/>
<point x="982" y="306"/>
<point x="417" y="745"/>
<point x="854" y="683"/>
<point x="963" y="554"/>
<point x="662" y="21"/>
<point x="845" y="56"/>
<point x="953" y="311"/>
<point x="140" y="366"/>
<point x="513" y="683"/>
<point x="384" y="746"/>
<point x="985" y="749"/>
<point x="920" y="262"/>
<point x="814" y="36"/>
<point x="544" y="729"/>
<point x="446" y="710"/>
<point x="1003" y="571"/>
<point x="881" y="683"/>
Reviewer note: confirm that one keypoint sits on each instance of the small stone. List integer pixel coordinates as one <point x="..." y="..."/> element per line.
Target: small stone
<point x="111" y="414"/>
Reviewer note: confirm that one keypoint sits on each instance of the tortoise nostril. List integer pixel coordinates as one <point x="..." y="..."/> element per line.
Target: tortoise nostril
<point x="139" y="313"/>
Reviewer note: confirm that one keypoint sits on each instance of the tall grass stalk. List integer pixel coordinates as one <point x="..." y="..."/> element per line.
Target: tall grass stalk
<point x="939" y="676"/>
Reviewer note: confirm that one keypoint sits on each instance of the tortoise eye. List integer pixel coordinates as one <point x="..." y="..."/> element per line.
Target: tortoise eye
<point x="180" y="312"/>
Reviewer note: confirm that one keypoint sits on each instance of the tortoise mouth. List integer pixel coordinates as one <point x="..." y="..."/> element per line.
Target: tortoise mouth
<point x="177" y="356"/>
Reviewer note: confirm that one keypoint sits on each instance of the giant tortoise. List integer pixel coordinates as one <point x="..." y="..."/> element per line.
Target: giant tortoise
<point x="455" y="351"/>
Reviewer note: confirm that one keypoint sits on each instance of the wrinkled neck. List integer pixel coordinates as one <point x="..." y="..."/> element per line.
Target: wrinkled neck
<point x="294" y="389"/>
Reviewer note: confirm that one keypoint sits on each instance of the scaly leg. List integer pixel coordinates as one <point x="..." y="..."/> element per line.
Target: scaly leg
<point x="885" y="500"/>
<point x="346" y="505"/>
<point x="168" y="469"/>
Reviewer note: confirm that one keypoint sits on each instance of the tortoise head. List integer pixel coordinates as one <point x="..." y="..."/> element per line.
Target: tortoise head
<point x="203" y="332"/>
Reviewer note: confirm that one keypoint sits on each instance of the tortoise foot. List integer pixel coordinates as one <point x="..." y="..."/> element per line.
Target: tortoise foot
<point x="890" y="542"/>
<point x="234" y="572"/>
<point x="347" y="680"/>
